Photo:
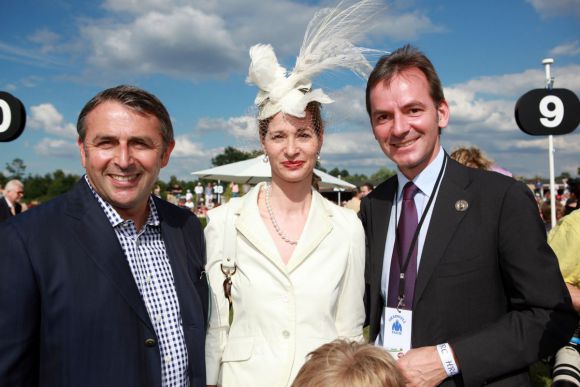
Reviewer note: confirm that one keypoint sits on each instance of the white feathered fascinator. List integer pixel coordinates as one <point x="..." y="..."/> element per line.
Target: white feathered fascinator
<point x="328" y="44"/>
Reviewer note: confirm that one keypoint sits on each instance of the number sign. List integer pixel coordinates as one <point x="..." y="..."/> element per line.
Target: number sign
<point x="543" y="112"/>
<point x="12" y="117"/>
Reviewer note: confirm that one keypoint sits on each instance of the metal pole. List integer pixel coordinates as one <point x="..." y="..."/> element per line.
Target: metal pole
<point x="549" y="84"/>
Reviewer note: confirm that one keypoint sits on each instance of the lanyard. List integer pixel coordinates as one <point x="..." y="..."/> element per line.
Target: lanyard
<point x="404" y="264"/>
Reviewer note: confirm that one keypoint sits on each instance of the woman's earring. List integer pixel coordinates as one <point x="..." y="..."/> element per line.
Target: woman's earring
<point x="265" y="158"/>
<point x="318" y="156"/>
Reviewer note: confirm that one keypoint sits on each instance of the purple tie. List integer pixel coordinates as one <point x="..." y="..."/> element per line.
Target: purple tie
<point x="405" y="232"/>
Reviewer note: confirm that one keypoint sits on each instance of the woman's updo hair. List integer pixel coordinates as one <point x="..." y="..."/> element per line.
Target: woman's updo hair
<point x="315" y="109"/>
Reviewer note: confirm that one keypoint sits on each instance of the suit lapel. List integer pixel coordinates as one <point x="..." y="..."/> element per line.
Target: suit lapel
<point x="317" y="227"/>
<point x="172" y="233"/>
<point x="444" y="221"/>
<point x="250" y="225"/>
<point x="380" y="209"/>
<point x="97" y="238"/>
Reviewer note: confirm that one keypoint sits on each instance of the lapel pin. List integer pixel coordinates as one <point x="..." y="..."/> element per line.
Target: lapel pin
<point x="461" y="205"/>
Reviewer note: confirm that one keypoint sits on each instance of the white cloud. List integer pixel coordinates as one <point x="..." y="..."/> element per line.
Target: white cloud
<point x="194" y="39"/>
<point x="46" y="38"/>
<point x="46" y="117"/>
<point x="566" y="49"/>
<point x="569" y="144"/>
<point x="352" y="143"/>
<point x="184" y="147"/>
<point x="243" y="127"/>
<point x="550" y="8"/>
<point x="26" y="56"/>
<point x="181" y="42"/>
<point x="57" y="148"/>
<point x="487" y="103"/>
<point x="349" y="107"/>
<point x="407" y="26"/>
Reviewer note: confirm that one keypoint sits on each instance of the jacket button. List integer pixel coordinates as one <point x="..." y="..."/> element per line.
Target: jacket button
<point x="150" y="342"/>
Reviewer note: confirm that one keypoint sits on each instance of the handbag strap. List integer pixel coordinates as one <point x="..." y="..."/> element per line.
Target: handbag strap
<point x="230" y="234"/>
<point x="228" y="265"/>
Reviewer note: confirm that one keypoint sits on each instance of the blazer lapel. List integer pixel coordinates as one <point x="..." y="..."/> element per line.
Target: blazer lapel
<point x="380" y="208"/>
<point x="97" y="238"/>
<point x="250" y="225"/>
<point x="172" y="234"/>
<point x="444" y="221"/>
<point x="317" y="227"/>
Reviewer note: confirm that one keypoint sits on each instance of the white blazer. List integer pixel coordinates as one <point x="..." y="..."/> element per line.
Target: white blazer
<point x="282" y="312"/>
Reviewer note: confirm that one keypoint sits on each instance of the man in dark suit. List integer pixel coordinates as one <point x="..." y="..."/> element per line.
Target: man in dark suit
<point x="104" y="285"/>
<point x="10" y="202"/>
<point x="473" y="280"/>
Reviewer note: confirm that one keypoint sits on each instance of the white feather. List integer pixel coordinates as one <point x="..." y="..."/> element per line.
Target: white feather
<point x="330" y="37"/>
<point x="329" y="43"/>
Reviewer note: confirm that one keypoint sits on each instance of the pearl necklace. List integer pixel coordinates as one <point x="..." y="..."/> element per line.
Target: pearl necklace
<point x="274" y="223"/>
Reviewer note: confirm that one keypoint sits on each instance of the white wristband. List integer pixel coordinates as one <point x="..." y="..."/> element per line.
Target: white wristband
<point x="447" y="359"/>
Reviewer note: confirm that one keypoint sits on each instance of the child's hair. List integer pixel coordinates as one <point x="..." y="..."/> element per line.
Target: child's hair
<point x="349" y="364"/>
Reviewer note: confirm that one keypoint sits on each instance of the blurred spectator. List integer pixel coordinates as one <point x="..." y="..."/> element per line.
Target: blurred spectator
<point x="473" y="157"/>
<point x="361" y="192"/>
<point x="572" y="201"/>
<point x="354" y="202"/>
<point x="235" y="189"/>
<point x="188" y="195"/>
<point x="10" y="202"/>
<point x="564" y="239"/>
<point x="546" y="211"/>
<point x="198" y="192"/>
<point x="208" y="194"/>
<point x="366" y="189"/>
<point x="349" y="364"/>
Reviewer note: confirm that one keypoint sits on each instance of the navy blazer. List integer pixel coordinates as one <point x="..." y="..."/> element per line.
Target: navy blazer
<point x="70" y="311"/>
<point x="488" y="283"/>
<point x="5" y="209"/>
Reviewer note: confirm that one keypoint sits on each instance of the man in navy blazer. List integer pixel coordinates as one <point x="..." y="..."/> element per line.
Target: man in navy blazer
<point x="488" y="298"/>
<point x="104" y="285"/>
<point x="9" y="203"/>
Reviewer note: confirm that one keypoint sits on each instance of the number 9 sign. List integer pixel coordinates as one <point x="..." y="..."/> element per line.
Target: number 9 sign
<point x="542" y="112"/>
<point x="12" y="117"/>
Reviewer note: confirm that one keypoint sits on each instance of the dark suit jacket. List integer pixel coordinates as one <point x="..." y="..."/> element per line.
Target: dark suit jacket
<point x="70" y="311"/>
<point x="487" y="283"/>
<point x="5" y="209"/>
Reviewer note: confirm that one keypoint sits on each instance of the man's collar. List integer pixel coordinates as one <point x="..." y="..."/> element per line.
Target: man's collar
<point x="425" y="180"/>
<point x="113" y="216"/>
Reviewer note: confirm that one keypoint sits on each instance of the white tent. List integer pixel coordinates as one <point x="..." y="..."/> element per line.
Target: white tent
<point x="255" y="170"/>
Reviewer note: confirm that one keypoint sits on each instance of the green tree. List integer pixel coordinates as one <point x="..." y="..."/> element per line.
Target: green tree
<point x="16" y="168"/>
<point x="357" y="179"/>
<point x="564" y="175"/>
<point x="381" y="175"/>
<point x="232" y="155"/>
<point x="60" y="183"/>
<point x="37" y="186"/>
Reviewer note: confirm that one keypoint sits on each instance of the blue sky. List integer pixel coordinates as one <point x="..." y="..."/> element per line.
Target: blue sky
<point x="56" y="54"/>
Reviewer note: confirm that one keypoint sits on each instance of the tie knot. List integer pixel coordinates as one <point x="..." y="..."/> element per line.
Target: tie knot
<point x="409" y="191"/>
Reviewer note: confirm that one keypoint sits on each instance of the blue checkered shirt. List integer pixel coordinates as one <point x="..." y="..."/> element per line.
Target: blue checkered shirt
<point x="147" y="258"/>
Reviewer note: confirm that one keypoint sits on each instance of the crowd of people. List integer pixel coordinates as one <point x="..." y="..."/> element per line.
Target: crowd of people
<point x="449" y="265"/>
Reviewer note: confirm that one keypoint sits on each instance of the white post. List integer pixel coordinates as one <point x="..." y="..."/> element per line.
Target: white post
<point x="549" y="83"/>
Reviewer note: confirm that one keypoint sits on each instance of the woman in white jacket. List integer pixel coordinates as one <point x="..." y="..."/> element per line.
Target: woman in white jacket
<point x="295" y="259"/>
<point x="299" y="280"/>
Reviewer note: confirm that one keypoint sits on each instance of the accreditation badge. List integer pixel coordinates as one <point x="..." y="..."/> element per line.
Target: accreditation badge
<point x="397" y="334"/>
